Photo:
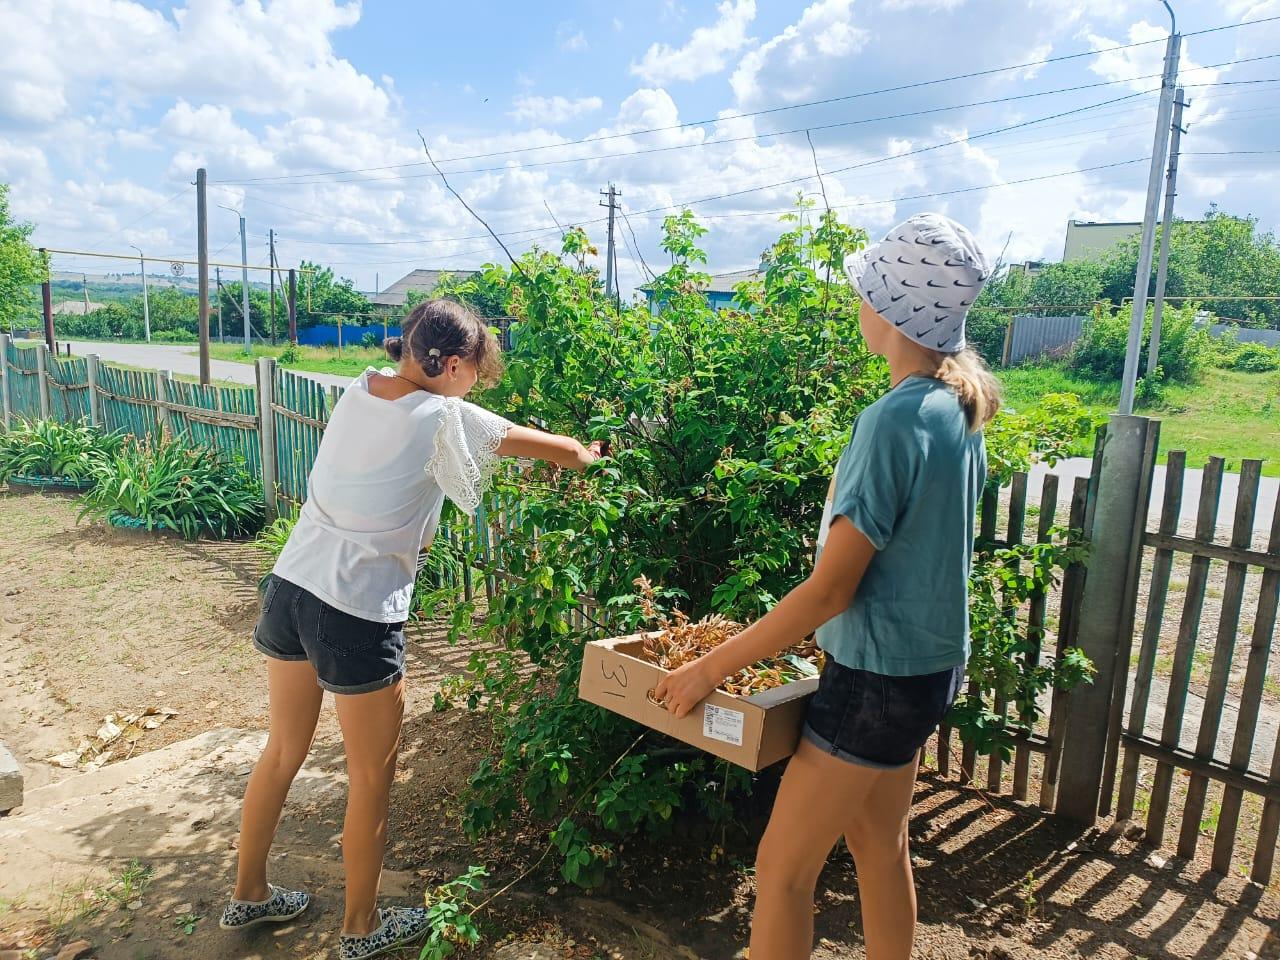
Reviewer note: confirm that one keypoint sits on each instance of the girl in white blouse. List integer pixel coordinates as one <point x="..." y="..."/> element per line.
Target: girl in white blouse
<point x="334" y="610"/>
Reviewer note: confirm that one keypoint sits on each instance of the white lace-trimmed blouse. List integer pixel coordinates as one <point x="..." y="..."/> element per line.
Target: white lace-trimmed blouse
<point x="375" y="493"/>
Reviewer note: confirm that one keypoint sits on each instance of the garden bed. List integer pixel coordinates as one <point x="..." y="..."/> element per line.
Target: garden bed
<point x="19" y="483"/>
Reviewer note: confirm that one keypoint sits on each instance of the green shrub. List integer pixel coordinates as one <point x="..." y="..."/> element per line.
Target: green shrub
<point x="174" y="336"/>
<point x="1253" y="357"/>
<point x="49" y="448"/>
<point x="290" y="355"/>
<point x="190" y="490"/>
<point x="1185" y="347"/>
<point x="726" y="429"/>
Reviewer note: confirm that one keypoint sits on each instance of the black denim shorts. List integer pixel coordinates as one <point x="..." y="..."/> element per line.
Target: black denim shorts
<point x="875" y="720"/>
<point x="350" y="655"/>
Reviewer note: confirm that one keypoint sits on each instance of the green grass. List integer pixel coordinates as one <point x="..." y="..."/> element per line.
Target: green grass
<point x="352" y="363"/>
<point x="1227" y="414"/>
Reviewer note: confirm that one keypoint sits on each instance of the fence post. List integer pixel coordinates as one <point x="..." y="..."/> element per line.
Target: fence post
<point x="267" y="432"/>
<point x="42" y="379"/>
<point x="162" y="397"/>
<point x="95" y="399"/>
<point x="4" y="377"/>
<point x="1107" y="610"/>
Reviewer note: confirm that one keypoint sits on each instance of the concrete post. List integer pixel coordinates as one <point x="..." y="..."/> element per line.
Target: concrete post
<point x="267" y="432"/>
<point x="42" y="379"/>
<point x="4" y="378"/>
<point x="95" y="399"/>
<point x="1107" y="609"/>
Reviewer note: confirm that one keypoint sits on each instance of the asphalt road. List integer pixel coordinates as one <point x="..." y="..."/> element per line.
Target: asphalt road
<point x="184" y="359"/>
<point x="1268" y="491"/>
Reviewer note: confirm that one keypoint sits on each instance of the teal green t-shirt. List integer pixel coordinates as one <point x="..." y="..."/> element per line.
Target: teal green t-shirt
<point x="909" y="480"/>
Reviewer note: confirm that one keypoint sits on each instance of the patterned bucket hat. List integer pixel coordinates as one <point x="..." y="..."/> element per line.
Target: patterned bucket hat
<point x="922" y="278"/>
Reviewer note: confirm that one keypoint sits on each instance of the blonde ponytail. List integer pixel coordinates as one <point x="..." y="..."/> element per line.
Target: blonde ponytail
<point x="967" y="374"/>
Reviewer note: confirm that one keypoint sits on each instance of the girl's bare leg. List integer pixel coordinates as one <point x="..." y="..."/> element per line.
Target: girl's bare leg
<point x="295" y="706"/>
<point x="371" y="732"/>
<point x="822" y="797"/>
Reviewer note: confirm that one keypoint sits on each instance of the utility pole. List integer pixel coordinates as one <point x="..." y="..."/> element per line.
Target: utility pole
<point x="202" y="243"/>
<point x="610" y="259"/>
<point x="146" y="306"/>
<point x="293" y="305"/>
<point x="1158" y="152"/>
<point x="218" y="284"/>
<point x="46" y="297"/>
<point x="84" y="285"/>
<point x="244" y="284"/>
<point x="1170" y="192"/>
<point x="271" y="244"/>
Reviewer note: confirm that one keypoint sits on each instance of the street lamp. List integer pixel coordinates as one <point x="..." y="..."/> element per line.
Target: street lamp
<point x="244" y="276"/>
<point x="146" y="306"/>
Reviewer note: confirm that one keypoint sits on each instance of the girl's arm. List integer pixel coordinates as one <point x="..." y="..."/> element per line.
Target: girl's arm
<point x="537" y="445"/>
<point x="828" y="591"/>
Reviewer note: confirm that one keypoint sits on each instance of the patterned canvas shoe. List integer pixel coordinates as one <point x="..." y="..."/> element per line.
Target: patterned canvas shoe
<point x="282" y="905"/>
<point x="400" y="925"/>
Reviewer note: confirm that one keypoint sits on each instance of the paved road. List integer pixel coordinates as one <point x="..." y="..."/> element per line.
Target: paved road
<point x="1268" y="491"/>
<point x="182" y="358"/>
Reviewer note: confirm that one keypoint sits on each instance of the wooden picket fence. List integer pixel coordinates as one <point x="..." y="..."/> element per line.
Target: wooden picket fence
<point x="1169" y="759"/>
<point x="1002" y="523"/>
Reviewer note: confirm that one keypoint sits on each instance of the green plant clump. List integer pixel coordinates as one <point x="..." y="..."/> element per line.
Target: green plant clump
<point x="189" y="490"/>
<point x="53" y="449"/>
<point x="726" y="427"/>
<point x="1186" y="348"/>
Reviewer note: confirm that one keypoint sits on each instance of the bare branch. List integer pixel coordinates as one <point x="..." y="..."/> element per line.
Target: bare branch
<point x="464" y="203"/>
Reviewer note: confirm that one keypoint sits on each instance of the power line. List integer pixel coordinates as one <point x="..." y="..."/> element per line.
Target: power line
<point x="795" y="180"/>
<point x="767" y="111"/>
<point x="739" y="116"/>
<point x="306" y="179"/>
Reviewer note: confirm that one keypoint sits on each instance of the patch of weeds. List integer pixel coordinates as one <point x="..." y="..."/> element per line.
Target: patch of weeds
<point x="1209" y="822"/>
<point x="132" y="884"/>
<point x="1177" y="586"/>
<point x="187" y="923"/>
<point x="1027" y="894"/>
<point x="451" y="915"/>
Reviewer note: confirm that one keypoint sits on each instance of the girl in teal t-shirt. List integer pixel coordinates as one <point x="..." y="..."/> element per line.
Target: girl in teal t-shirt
<point x="888" y="598"/>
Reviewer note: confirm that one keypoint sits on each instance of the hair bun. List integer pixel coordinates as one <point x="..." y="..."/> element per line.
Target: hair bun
<point x="394" y="347"/>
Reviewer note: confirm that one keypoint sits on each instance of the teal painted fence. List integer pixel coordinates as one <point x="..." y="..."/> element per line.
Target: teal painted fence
<point x="128" y="399"/>
<point x="22" y="376"/>
<point x="300" y="409"/>
<point x="150" y="404"/>
<point x="69" y="390"/>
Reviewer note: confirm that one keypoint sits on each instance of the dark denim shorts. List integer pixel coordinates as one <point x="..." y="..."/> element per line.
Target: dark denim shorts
<point x="350" y="655"/>
<point x="876" y="720"/>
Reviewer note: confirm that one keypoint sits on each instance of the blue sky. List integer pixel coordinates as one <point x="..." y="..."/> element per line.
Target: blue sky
<point x="110" y="105"/>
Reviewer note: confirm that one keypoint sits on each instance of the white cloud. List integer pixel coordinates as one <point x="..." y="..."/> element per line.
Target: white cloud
<point x="214" y="50"/>
<point x="825" y="30"/>
<point x="707" y="50"/>
<point x="570" y="37"/>
<point x="552" y="109"/>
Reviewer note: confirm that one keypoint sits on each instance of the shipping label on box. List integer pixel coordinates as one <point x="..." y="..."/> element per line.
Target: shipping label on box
<point x="752" y="732"/>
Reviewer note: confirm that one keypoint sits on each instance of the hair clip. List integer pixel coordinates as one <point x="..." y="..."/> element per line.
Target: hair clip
<point x="433" y="352"/>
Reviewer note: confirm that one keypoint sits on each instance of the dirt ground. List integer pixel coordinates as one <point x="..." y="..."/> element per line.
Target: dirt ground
<point x="137" y="857"/>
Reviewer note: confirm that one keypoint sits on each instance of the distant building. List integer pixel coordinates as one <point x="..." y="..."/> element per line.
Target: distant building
<point x="76" y="308"/>
<point x="422" y="281"/>
<point x="1087" y="238"/>
<point x="1029" y="268"/>
<point x="719" y="292"/>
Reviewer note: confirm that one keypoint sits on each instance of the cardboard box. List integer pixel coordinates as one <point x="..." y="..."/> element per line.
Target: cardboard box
<point x="752" y="732"/>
